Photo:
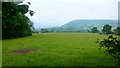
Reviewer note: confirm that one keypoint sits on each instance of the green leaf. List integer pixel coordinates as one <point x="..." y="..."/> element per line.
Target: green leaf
<point x="31" y="13"/>
<point x="23" y="8"/>
<point x="29" y="3"/>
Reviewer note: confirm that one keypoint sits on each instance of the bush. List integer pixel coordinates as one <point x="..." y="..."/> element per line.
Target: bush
<point x="112" y="45"/>
<point x="117" y="31"/>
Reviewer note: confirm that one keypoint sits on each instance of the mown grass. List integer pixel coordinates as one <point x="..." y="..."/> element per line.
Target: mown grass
<point x="0" y="53"/>
<point x="56" y="49"/>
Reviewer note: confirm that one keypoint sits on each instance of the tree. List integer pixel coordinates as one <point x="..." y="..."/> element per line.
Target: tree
<point x="44" y="30"/>
<point x="112" y="47"/>
<point x="94" y="30"/>
<point x="117" y="31"/>
<point x="15" y="23"/>
<point x="107" y="29"/>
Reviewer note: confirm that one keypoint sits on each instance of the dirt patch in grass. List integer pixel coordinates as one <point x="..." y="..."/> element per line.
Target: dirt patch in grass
<point x="22" y="51"/>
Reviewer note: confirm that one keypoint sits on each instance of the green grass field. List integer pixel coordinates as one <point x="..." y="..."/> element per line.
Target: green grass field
<point x="56" y="49"/>
<point x="0" y="53"/>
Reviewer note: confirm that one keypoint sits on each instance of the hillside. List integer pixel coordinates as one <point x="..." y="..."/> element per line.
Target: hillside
<point x="84" y="25"/>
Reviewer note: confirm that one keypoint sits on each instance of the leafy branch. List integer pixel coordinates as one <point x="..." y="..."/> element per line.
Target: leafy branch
<point x="112" y="46"/>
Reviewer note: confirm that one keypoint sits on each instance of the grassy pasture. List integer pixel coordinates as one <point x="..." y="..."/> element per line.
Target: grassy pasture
<point x="0" y="53"/>
<point x="56" y="49"/>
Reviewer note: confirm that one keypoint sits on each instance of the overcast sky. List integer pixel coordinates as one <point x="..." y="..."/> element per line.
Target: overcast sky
<point x="50" y="13"/>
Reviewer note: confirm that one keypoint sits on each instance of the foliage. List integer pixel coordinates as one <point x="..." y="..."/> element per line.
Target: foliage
<point x="107" y="29"/>
<point x="44" y="30"/>
<point x="35" y="31"/>
<point x="94" y="30"/>
<point x="15" y="23"/>
<point x="112" y="45"/>
<point x="117" y="31"/>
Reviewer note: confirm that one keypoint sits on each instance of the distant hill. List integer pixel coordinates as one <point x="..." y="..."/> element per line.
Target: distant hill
<point x="84" y="25"/>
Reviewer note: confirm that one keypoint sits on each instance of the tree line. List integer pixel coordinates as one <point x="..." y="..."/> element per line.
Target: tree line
<point x="107" y="29"/>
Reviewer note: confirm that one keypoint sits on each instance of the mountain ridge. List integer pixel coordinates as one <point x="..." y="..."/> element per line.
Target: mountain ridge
<point x="84" y="25"/>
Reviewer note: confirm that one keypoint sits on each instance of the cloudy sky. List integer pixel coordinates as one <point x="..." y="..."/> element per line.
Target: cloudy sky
<point x="50" y="13"/>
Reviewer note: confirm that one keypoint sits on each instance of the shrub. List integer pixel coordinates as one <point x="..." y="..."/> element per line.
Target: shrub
<point x="112" y="47"/>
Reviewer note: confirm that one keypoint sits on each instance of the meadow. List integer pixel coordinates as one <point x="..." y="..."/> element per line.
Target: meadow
<point x="0" y="53"/>
<point x="56" y="49"/>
